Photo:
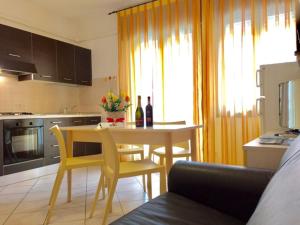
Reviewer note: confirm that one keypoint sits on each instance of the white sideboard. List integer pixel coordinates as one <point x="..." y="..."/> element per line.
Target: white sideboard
<point x="265" y="156"/>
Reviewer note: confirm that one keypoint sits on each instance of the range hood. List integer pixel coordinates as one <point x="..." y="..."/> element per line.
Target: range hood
<point x="17" y="67"/>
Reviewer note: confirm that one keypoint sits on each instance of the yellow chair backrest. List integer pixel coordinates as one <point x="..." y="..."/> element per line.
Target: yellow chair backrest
<point x="110" y="153"/>
<point x="61" y="143"/>
<point x="184" y="144"/>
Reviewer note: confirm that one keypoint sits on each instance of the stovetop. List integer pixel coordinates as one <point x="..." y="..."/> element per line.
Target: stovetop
<point x="15" y="113"/>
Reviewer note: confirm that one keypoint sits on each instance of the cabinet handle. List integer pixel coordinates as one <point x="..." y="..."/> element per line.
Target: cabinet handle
<point x="14" y="55"/>
<point x="56" y="122"/>
<point x="77" y="121"/>
<point x="257" y="78"/>
<point x="84" y="81"/>
<point x="46" y="76"/>
<point x="68" y="79"/>
<point x="54" y="146"/>
<point x="93" y="120"/>
<point x="56" y="157"/>
<point x="298" y="37"/>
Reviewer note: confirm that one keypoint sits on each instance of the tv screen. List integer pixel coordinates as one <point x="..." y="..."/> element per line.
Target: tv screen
<point x="289" y="104"/>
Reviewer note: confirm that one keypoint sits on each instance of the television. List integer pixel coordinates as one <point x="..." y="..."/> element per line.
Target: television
<point x="289" y="104"/>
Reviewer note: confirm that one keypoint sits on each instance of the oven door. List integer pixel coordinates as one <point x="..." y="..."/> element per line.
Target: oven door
<point x="23" y="144"/>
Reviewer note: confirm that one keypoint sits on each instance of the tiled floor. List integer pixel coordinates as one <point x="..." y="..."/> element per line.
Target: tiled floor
<point x="24" y="197"/>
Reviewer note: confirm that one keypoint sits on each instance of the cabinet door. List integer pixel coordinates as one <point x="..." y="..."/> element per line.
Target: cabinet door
<point x="44" y="57"/>
<point x="83" y="66"/>
<point x="65" y="62"/>
<point x="1" y="147"/>
<point x="15" y="44"/>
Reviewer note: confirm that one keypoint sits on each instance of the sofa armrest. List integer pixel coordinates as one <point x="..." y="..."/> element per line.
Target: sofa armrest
<point x="230" y="189"/>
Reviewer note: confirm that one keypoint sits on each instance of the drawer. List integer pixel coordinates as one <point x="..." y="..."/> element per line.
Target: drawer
<point x="51" y="149"/>
<point x="77" y="121"/>
<point x="49" y="122"/>
<point x="92" y="120"/>
<point x="51" y="160"/>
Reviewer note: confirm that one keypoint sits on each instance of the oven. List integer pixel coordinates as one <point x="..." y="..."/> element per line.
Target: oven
<point x="23" y="146"/>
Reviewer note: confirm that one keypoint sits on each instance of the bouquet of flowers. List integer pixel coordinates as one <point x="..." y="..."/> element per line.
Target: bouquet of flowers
<point x="115" y="106"/>
<point x="114" y="103"/>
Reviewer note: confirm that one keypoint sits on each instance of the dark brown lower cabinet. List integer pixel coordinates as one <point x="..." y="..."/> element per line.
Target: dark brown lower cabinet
<point x="1" y="147"/>
<point x="79" y="148"/>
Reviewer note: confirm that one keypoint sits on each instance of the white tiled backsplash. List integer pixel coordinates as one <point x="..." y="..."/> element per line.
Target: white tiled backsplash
<point x="43" y="97"/>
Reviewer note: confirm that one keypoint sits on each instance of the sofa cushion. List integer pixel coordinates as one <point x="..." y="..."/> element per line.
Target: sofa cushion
<point x="174" y="209"/>
<point x="293" y="150"/>
<point x="280" y="202"/>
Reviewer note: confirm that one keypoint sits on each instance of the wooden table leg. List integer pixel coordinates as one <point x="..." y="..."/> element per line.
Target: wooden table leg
<point x="169" y="153"/>
<point x="194" y="153"/>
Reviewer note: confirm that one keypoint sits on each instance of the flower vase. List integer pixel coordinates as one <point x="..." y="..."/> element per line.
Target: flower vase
<point x="115" y="117"/>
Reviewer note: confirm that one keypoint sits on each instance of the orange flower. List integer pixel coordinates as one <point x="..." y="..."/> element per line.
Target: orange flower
<point x="103" y="100"/>
<point x="127" y="99"/>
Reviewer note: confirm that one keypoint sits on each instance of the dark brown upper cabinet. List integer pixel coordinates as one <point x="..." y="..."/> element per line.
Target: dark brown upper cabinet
<point x="66" y="62"/>
<point x="44" y="57"/>
<point x="83" y="66"/>
<point x="15" y="44"/>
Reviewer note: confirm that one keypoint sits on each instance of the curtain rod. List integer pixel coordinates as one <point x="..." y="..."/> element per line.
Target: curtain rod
<point x="113" y="12"/>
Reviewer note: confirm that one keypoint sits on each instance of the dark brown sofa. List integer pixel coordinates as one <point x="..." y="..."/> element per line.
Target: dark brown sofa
<point x="209" y="194"/>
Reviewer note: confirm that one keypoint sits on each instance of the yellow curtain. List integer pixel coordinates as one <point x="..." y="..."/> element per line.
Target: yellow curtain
<point x="158" y="54"/>
<point x="236" y="37"/>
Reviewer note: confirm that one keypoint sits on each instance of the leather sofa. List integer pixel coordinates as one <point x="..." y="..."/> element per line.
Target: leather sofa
<point x="210" y="194"/>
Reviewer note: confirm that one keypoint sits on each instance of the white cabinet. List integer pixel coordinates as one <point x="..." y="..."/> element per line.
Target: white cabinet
<point x="266" y="156"/>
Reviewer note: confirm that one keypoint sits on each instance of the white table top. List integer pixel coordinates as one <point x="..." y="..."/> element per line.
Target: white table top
<point x="132" y="128"/>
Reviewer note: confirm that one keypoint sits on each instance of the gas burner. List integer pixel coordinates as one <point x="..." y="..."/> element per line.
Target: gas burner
<point x="15" y="113"/>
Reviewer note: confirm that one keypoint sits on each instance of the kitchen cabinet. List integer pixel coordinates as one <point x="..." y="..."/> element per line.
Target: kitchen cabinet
<point x="83" y="66"/>
<point x="15" y="44"/>
<point x="44" y="57"/>
<point x="1" y="147"/>
<point x="51" y="148"/>
<point x="66" y="62"/>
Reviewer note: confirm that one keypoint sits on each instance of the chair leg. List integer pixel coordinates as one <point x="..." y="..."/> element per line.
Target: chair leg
<point x="60" y="176"/>
<point x="69" y="185"/>
<point x="149" y="185"/>
<point x="108" y="204"/>
<point x="100" y="185"/>
<point x="162" y="176"/>
<point x="54" y="186"/>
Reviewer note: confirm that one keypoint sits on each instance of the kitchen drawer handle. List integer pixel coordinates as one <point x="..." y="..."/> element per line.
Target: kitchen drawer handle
<point x="46" y="76"/>
<point x="56" y="122"/>
<point x="84" y="81"/>
<point x="77" y="121"/>
<point x="55" y="146"/>
<point x="68" y="79"/>
<point x="56" y="157"/>
<point x="14" y="55"/>
<point x="94" y="120"/>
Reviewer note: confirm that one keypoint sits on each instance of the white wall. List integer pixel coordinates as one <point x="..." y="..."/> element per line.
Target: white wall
<point x="99" y="33"/>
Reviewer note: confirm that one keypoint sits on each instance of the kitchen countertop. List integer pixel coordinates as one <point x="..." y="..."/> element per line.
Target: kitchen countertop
<point x="50" y="116"/>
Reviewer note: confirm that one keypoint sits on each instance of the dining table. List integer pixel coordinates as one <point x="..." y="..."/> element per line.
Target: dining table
<point x="164" y="135"/>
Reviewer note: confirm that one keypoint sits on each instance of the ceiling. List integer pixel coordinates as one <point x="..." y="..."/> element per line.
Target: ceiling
<point x="74" y="9"/>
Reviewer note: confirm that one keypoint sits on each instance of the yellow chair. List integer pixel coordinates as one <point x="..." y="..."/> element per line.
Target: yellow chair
<point x="125" y="150"/>
<point x="180" y="150"/>
<point x="112" y="170"/>
<point x="67" y="163"/>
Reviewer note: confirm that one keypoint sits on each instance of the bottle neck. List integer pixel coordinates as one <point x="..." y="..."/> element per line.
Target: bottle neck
<point x="149" y="101"/>
<point x="139" y="103"/>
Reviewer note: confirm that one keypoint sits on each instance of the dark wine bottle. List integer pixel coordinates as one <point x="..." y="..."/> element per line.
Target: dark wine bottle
<point x="149" y="114"/>
<point x="139" y="114"/>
